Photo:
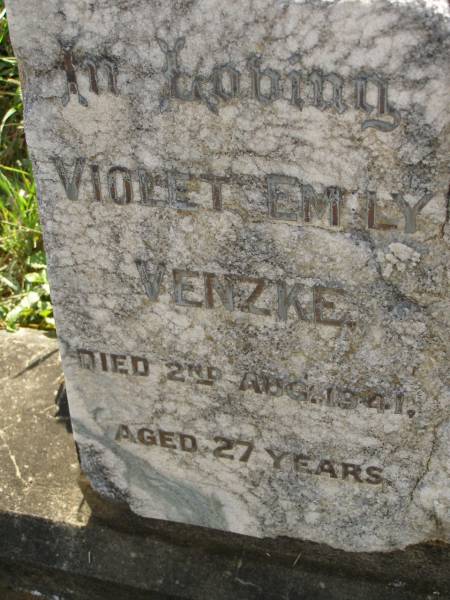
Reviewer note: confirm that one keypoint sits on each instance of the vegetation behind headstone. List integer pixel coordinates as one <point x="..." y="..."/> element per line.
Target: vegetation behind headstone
<point x="24" y="290"/>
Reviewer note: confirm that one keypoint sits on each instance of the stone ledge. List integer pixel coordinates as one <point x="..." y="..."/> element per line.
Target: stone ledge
<point x="53" y="544"/>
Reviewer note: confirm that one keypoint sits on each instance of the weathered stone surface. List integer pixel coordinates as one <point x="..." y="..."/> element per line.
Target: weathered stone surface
<point x="38" y="462"/>
<point x="246" y="219"/>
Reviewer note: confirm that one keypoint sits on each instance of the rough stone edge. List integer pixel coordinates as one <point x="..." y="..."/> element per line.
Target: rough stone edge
<point x="422" y="567"/>
<point x="20" y="581"/>
<point x="42" y="553"/>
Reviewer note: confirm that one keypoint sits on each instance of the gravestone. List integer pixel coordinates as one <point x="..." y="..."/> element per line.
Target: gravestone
<point x="246" y="220"/>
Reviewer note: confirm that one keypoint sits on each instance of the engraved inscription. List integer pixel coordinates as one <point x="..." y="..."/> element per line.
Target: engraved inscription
<point x="92" y="66"/>
<point x="234" y="292"/>
<point x="383" y="108"/>
<point x="175" y="76"/>
<point x="318" y="81"/>
<point x="221" y="74"/>
<point x="285" y="198"/>
<point x="71" y="78"/>
<point x="328" y="396"/>
<point x="324" y="91"/>
<point x="196" y="373"/>
<point x="411" y="211"/>
<point x="257" y="77"/>
<point x="71" y="183"/>
<point x="301" y="389"/>
<point x="249" y="452"/>
<point x="321" y="90"/>
<point x="171" y="67"/>
<point x="114" y="363"/>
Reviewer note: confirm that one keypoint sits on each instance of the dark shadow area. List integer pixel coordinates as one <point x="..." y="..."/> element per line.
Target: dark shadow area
<point x="420" y="569"/>
<point x="95" y="561"/>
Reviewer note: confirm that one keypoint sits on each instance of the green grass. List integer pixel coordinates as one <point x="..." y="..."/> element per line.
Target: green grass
<point x="24" y="292"/>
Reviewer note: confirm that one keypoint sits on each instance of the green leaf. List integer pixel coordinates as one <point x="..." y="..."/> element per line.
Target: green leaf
<point x="11" y="284"/>
<point x="35" y="277"/>
<point x="29" y="300"/>
<point x="37" y="260"/>
<point x="13" y="315"/>
<point x="24" y="290"/>
<point x="9" y="113"/>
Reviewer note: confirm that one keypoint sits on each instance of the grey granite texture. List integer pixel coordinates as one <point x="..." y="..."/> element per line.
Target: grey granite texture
<point x="246" y="218"/>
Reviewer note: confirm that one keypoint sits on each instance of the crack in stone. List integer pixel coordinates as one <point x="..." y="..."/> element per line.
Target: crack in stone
<point x="13" y="459"/>
<point x="426" y="470"/>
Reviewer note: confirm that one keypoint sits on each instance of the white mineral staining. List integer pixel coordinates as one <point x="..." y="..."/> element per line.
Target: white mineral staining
<point x="399" y="257"/>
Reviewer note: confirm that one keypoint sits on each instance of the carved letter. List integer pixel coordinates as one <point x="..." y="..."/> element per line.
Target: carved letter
<point x="86" y="358"/>
<point x="146" y="187"/>
<point x="178" y="190"/>
<point x="127" y="196"/>
<point x="312" y="200"/>
<point x="151" y="281"/>
<point x="320" y="303"/>
<point x="250" y="380"/>
<point x="334" y="196"/>
<point x="297" y="390"/>
<point x="173" y="73"/>
<point x="135" y="360"/>
<point x="319" y="202"/>
<point x="234" y="79"/>
<point x="276" y="459"/>
<point x="147" y="437"/>
<point x="180" y="286"/>
<point x="71" y="186"/>
<point x="257" y="75"/>
<point x="295" y="99"/>
<point x="188" y="443"/>
<point x="383" y="107"/>
<point x="198" y="93"/>
<point x="275" y="194"/>
<point x="111" y="71"/>
<point x="272" y="385"/>
<point x="225" y="292"/>
<point x="216" y="190"/>
<point x="171" y="68"/>
<point x="288" y="298"/>
<point x="377" y="402"/>
<point x="410" y="212"/>
<point x="317" y="79"/>
<point x="326" y="466"/>
<point x="301" y="463"/>
<point x="249" y="304"/>
<point x="374" y="475"/>
<point x="96" y="186"/>
<point x="353" y="470"/>
<point x="347" y="399"/>
<point x="71" y="78"/>
<point x="124" y="433"/>
<point x="118" y="363"/>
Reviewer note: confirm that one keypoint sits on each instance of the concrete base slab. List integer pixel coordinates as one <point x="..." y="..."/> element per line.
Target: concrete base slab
<point x="62" y="544"/>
